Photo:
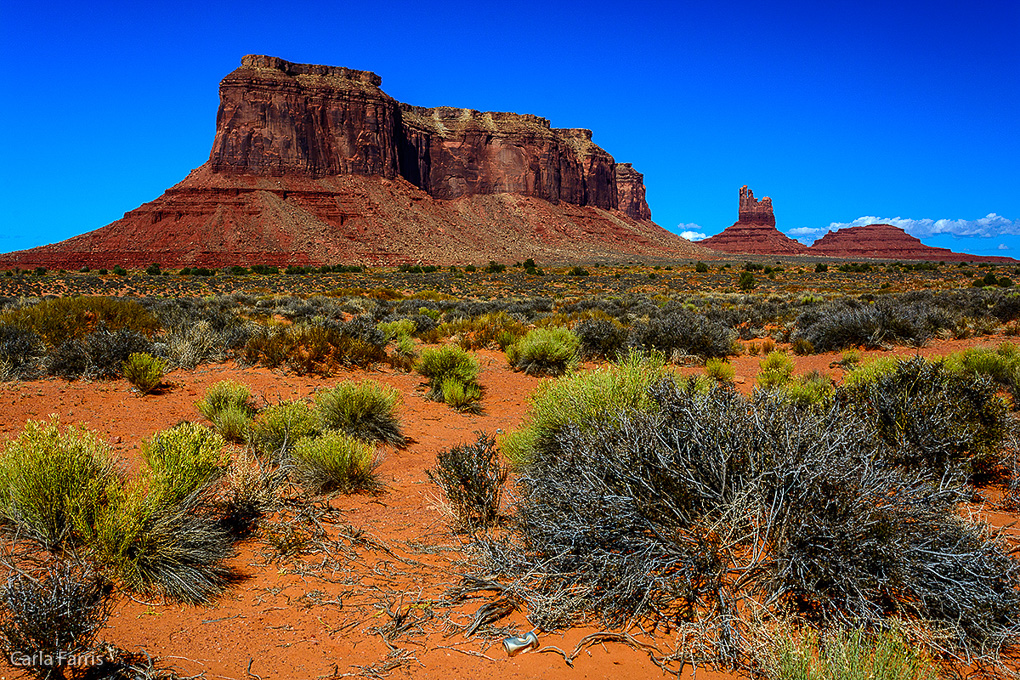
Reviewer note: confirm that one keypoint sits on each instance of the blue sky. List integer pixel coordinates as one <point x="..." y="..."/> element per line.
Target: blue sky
<point x="903" y="111"/>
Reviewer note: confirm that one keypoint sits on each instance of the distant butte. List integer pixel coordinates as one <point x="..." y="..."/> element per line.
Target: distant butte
<point x="887" y="242"/>
<point x="317" y="165"/>
<point x="754" y="232"/>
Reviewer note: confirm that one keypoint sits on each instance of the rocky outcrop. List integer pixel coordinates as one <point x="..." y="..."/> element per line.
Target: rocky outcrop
<point x="754" y="232"/>
<point x="317" y="165"/>
<point x="884" y="241"/>
<point x="752" y="211"/>
<point x="630" y="191"/>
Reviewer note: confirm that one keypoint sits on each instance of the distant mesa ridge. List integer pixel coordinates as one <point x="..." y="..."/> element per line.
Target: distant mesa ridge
<point x="315" y="164"/>
<point x="755" y="233"/>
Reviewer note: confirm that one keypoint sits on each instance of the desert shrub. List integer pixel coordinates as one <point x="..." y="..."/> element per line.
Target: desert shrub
<point x="802" y="346"/>
<point x="720" y="370"/>
<point x="578" y="400"/>
<point x="52" y="482"/>
<point x="841" y="324"/>
<point x="775" y="370"/>
<point x="317" y="347"/>
<point x="50" y="618"/>
<point x="156" y="544"/>
<point x="600" y="338"/>
<point x="60" y="319"/>
<point x="848" y="654"/>
<point x="144" y="371"/>
<point x="21" y="350"/>
<point x="492" y="329"/>
<point x="396" y="329"/>
<point x="365" y="410"/>
<point x="544" y="351"/>
<point x="746" y="281"/>
<point x="334" y="462"/>
<point x="99" y="355"/>
<point x="894" y="543"/>
<point x="577" y="270"/>
<point x="700" y="267"/>
<point x="647" y="513"/>
<point x="682" y="332"/>
<point x="813" y="389"/>
<point x="445" y="363"/>
<point x="871" y="371"/>
<point x="277" y="427"/>
<point x="222" y="395"/>
<point x="463" y="397"/>
<point x="472" y="478"/>
<point x="183" y="460"/>
<point x="930" y="417"/>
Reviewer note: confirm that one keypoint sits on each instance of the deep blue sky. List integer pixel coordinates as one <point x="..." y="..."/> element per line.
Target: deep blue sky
<point x="837" y="111"/>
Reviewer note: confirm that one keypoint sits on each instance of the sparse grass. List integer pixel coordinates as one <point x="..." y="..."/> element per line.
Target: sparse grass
<point x="335" y="462"/>
<point x="365" y="410"/>
<point x="848" y="655"/>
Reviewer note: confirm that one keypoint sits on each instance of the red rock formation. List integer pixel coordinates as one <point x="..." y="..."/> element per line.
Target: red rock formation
<point x="885" y="241"/>
<point x="316" y="164"/>
<point x="630" y="190"/>
<point x="754" y="232"/>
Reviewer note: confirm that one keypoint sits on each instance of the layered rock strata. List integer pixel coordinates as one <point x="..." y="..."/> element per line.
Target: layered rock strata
<point x="754" y="232"/>
<point x="317" y="165"/>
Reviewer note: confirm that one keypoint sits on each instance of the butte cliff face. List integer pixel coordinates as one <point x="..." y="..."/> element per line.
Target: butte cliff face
<point x="316" y="164"/>
<point x="887" y="242"/>
<point x="754" y="232"/>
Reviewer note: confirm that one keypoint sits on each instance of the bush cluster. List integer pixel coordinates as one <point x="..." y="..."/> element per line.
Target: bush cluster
<point x="544" y="351"/>
<point x="472" y="478"/>
<point x="452" y="377"/>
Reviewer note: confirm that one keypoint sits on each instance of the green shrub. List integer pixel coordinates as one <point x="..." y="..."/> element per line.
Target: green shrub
<point x="871" y="371"/>
<point x="144" y="371"/>
<point x="775" y="370"/>
<point x="813" y="389"/>
<point x="334" y="462"/>
<point x="544" y="351"/>
<point x="278" y="427"/>
<point x="439" y="365"/>
<point x="720" y="370"/>
<point x="365" y="410"/>
<point x="472" y="477"/>
<point x="700" y="267"/>
<point x="577" y="271"/>
<point x="579" y="400"/>
<point x="463" y="397"/>
<point x="182" y="460"/>
<point x="746" y="281"/>
<point x="52" y="483"/>
<point x="396" y="329"/>
<point x="227" y="405"/>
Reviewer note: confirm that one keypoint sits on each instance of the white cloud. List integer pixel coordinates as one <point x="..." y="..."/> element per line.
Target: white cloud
<point x="1003" y="246"/>
<point x="692" y="231"/>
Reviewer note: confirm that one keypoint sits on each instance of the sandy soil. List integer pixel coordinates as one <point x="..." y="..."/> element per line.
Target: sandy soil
<point x="324" y="612"/>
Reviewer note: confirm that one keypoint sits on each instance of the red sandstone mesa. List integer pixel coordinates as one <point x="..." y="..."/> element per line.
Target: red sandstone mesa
<point x="887" y="242"/>
<point x="316" y="164"/>
<point x="755" y="231"/>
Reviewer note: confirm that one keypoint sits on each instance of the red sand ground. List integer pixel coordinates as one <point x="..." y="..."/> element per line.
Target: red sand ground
<point x="286" y="619"/>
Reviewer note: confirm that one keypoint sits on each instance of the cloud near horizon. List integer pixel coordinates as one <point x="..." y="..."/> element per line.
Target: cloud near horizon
<point x="692" y="231"/>
<point x="989" y="226"/>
